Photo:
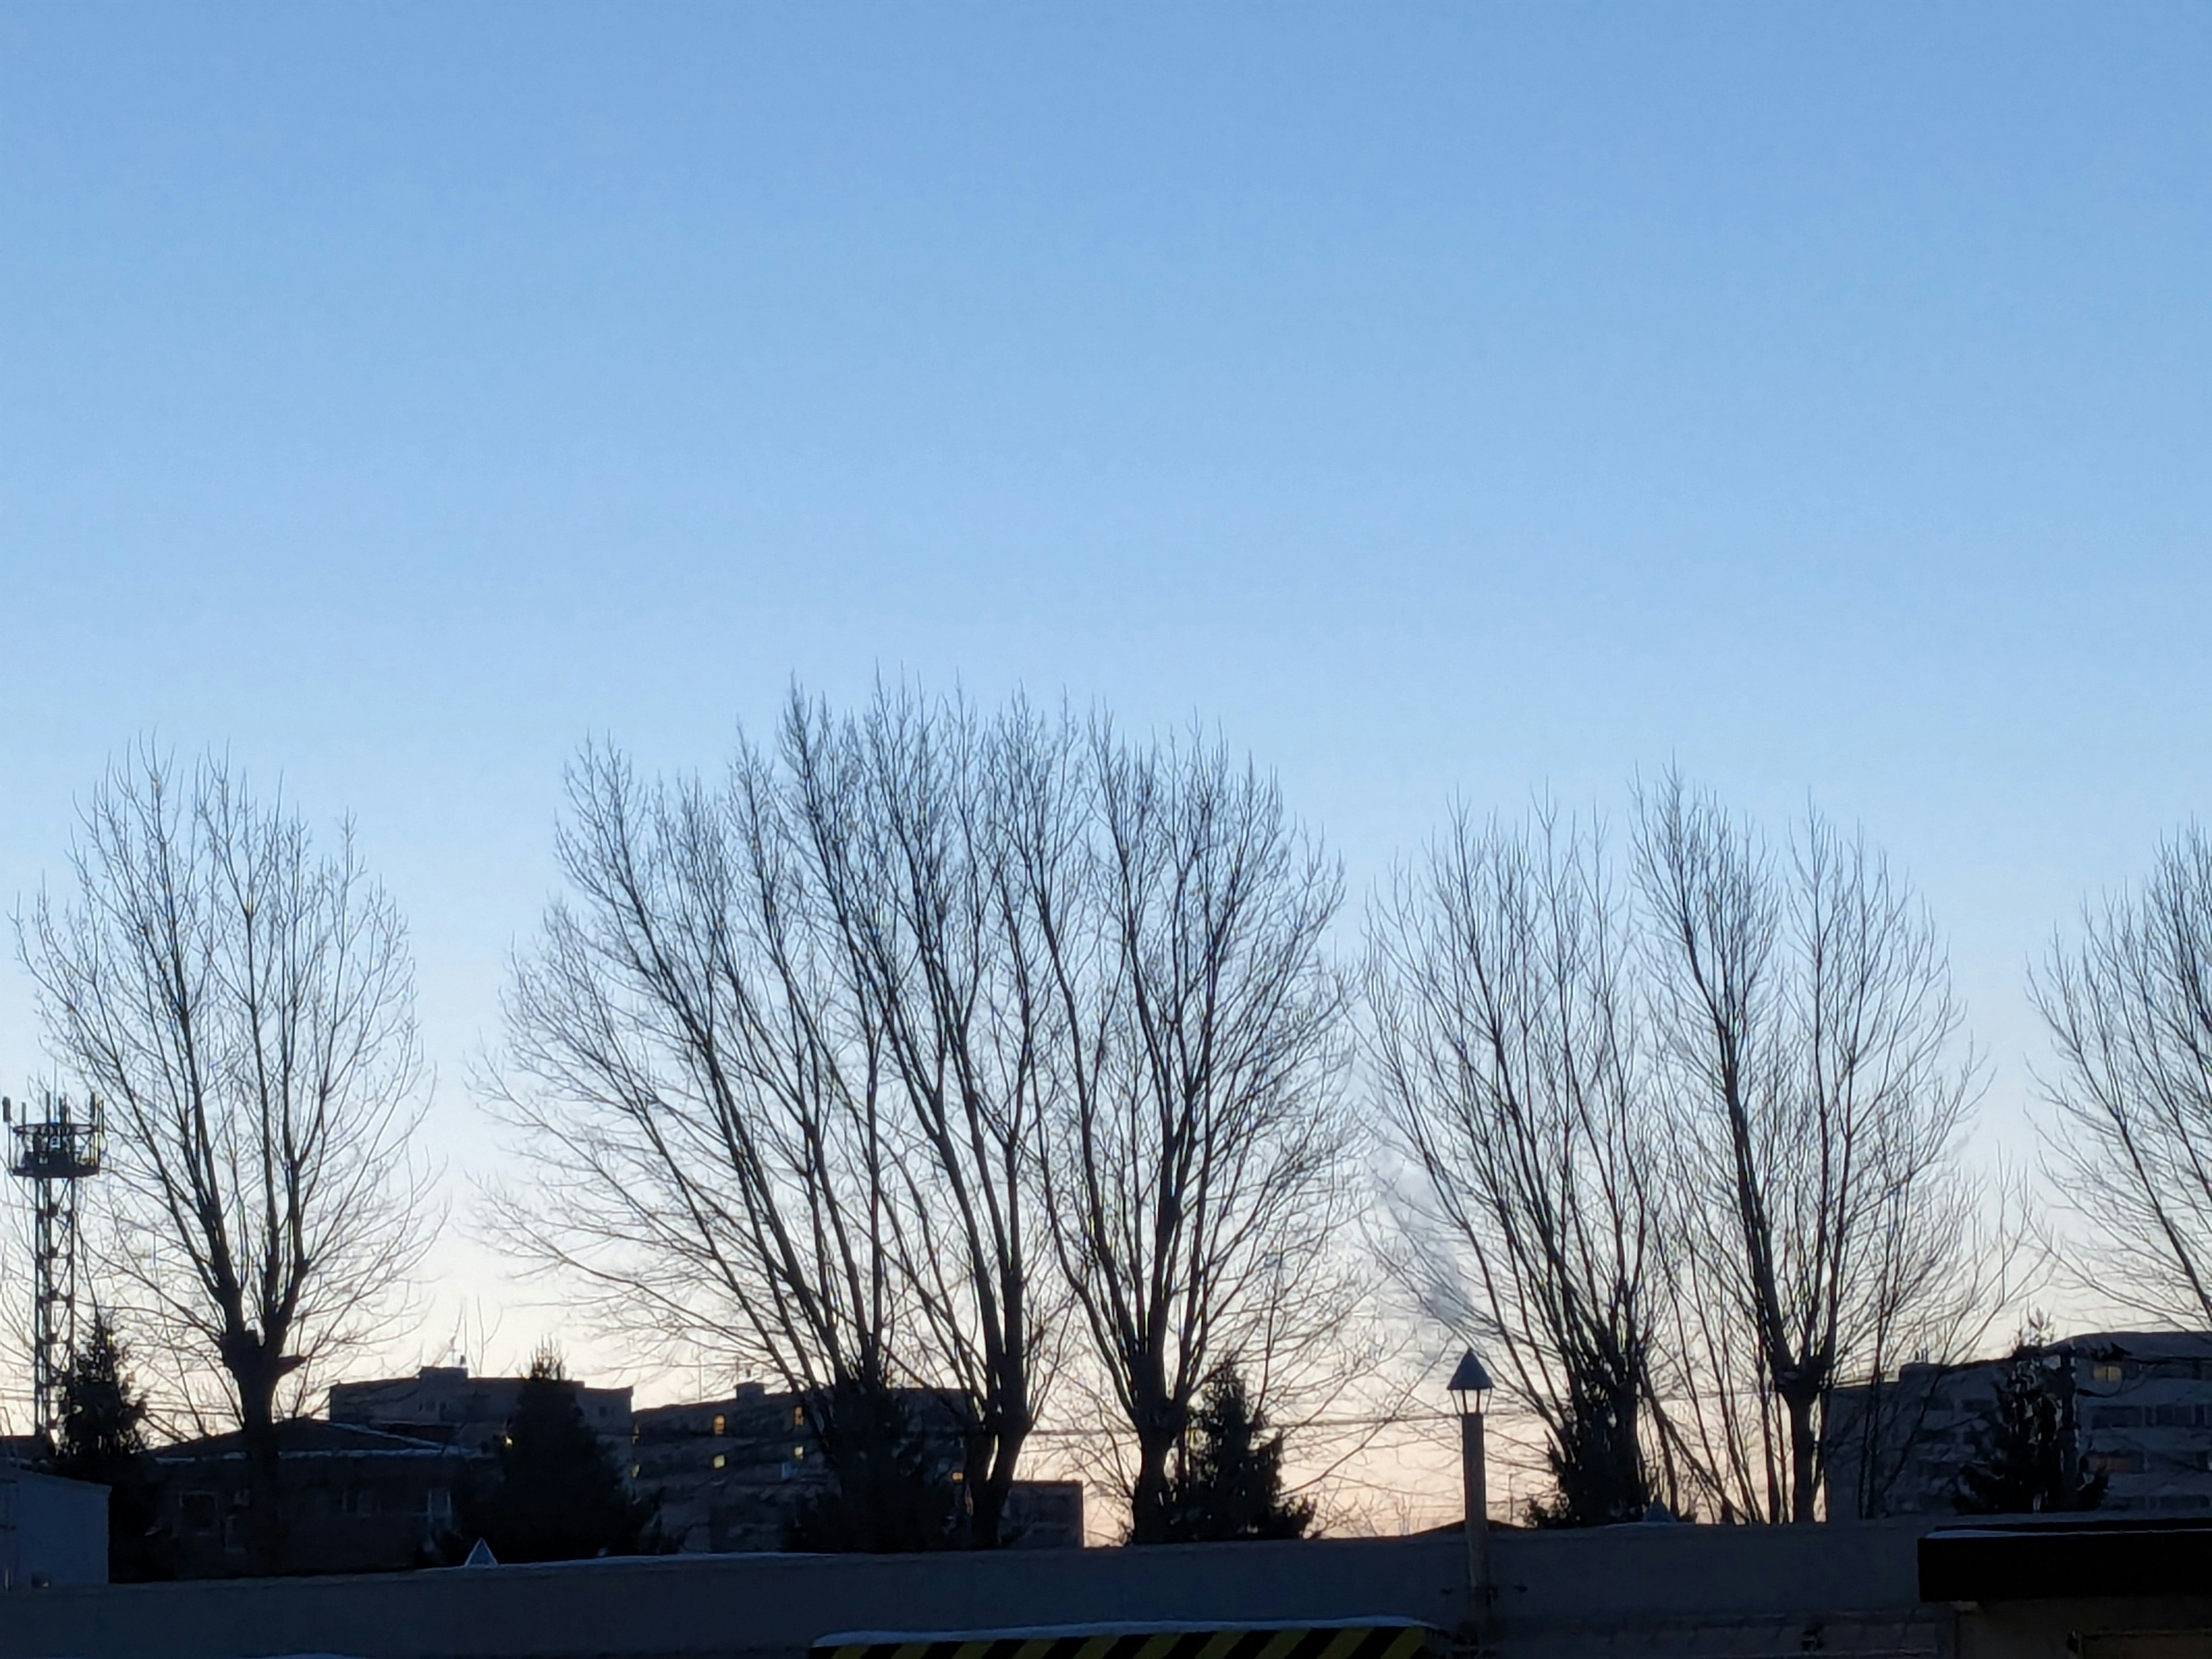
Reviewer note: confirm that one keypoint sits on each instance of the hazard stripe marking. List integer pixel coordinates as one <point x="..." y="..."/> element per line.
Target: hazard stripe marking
<point x="1231" y="1642"/>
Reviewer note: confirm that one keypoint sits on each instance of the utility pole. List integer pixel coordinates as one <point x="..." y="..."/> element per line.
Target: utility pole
<point x="53" y="1153"/>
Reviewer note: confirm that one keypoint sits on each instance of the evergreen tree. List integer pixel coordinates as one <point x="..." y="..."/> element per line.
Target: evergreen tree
<point x="2027" y="1457"/>
<point x="1228" y="1482"/>
<point x="103" y="1440"/>
<point x="1597" y="1468"/>
<point x="887" y="1494"/>
<point x="559" y="1496"/>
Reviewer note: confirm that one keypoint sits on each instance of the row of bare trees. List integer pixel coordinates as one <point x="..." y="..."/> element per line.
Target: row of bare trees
<point x="997" y="1053"/>
<point x="928" y="1047"/>
<point x="1692" y="1131"/>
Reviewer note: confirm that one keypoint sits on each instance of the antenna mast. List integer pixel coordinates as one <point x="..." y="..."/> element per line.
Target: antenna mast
<point x="53" y="1155"/>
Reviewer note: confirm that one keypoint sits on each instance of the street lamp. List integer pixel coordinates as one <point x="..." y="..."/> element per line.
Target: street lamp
<point x="1469" y="1388"/>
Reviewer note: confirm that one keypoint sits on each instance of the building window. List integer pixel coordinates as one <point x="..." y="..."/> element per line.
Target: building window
<point x="440" y="1505"/>
<point x="199" y="1511"/>
<point x="720" y="1460"/>
<point x="2116" y="1463"/>
<point x="798" y="1453"/>
<point x="2107" y="1370"/>
<point x="799" y="1417"/>
<point x="719" y="1424"/>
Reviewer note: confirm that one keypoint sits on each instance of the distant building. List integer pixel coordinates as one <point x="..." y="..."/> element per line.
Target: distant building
<point x="2143" y="1401"/>
<point x="444" y="1403"/>
<point x="351" y="1500"/>
<point x="53" y="1533"/>
<point x="730" y="1473"/>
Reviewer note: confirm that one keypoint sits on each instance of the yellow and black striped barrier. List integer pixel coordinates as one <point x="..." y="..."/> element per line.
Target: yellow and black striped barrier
<point x="1370" y="1639"/>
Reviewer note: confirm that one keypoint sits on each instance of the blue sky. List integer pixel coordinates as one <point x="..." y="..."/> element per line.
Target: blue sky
<point x="1445" y="400"/>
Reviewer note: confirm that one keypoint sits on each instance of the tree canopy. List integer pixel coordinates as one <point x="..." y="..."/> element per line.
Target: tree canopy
<point x="2027" y="1459"/>
<point x="103" y="1440"/>
<point x="1228" y="1483"/>
<point x="559" y="1496"/>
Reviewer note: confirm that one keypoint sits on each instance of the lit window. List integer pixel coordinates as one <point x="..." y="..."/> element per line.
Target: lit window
<point x="720" y="1460"/>
<point x="957" y="1477"/>
<point x="2107" y="1371"/>
<point x="719" y="1427"/>
<point x="799" y="1417"/>
<point x="798" y="1453"/>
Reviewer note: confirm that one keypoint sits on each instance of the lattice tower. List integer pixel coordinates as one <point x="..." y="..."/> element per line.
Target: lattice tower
<point x="54" y="1152"/>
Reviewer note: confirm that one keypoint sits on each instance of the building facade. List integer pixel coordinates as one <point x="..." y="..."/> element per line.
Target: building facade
<point x="2142" y="1404"/>
<point x="444" y="1403"/>
<point x="730" y="1473"/>
<point x="53" y="1533"/>
<point x="350" y="1499"/>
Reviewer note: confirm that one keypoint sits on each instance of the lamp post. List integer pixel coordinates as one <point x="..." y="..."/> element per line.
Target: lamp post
<point x="1470" y="1387"/>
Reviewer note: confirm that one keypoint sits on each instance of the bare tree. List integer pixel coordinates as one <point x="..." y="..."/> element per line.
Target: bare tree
<point x="2129" y="1009"/>
<point x="1818" y="1091"/>
<point x="701" y="1096"/>
<point x="908" y="815"/>
<point x="246" y="1007"/>
<point x="779" y="1067"/>
<point x="1503" y="1044"/>
<point x="788" y="1060"/>
<point x="1194" y="1165"/>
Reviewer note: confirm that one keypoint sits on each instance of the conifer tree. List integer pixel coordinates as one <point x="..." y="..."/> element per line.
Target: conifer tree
<point x="560" y="1497"/>
<point x="103" y="1440"/>
<point x="888" y="1495"/>
<point x="2027" y="1460"/>
<point x="1598" y="1471"/>
<point x="1229" y="1479"/>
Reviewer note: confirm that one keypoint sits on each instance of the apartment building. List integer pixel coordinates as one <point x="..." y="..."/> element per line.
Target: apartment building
<point x="730" y="1473"/>
<point x="2143" y="1401"/>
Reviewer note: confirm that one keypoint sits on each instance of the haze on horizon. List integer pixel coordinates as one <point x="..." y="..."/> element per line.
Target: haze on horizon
<point x="1445" y="403"/>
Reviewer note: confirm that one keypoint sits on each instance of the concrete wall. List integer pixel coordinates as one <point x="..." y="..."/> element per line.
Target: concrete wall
<point x="52" y="1532"/>
<point x="1841" y="1592"/>
<point x="755" y="1605"/>
<point x="1680" y="1571"/>
<point x="1669" y="1588"/>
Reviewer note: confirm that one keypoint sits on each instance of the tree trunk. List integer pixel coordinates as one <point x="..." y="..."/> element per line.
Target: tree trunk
<point x="1799" y="1402"/>
<point x="1148" y="1499"/>
<point x="256" y="1367"/>
<point x="991" y="1477"/>
<point x="257" y="1411"/>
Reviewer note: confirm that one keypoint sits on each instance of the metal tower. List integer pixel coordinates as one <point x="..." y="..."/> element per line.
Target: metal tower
<point x="54" y="1154"/>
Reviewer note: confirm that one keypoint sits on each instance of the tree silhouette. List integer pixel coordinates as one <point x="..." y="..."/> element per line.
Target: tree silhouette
<point x="1229" y="1481"/>
<point x="103" y="1440"/>
<point x="245" y="1003"/>
<point x="560" y="1497"/>
<point x="888" y="1495"/>
<point x="1597" y="1467"/>
<point x="2027" y="1460"/>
